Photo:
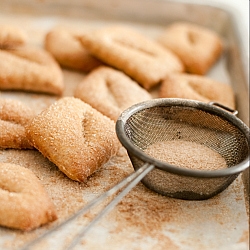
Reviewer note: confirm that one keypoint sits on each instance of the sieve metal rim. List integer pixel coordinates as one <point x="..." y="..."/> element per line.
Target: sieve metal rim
<point x="120" y="131"/>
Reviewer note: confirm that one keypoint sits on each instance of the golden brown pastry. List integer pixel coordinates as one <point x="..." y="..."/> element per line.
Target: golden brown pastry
<point x="139" y="57"/>
<point x="30" y="69"/>
<point x="11" y="36"/>
<point x="24" y="203"/>
<point x="27" y="68"/>
<point x="67" y="49"/>
<point x="14" y="116"/>
<point x="110" y="91"/>
<point x="74" y="136"/>
<point x="198" y="47"/>
<point x="198" y="88"/>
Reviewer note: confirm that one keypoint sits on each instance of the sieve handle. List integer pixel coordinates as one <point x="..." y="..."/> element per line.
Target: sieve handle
<point x="128" y="183"/>
<point x="234" y="112"/>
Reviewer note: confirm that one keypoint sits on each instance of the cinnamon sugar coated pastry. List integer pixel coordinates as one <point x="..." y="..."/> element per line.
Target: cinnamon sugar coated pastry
<point x="27" y="68"/>
<point x="198" y="88"/>
<point x="11" y="36"/>
<point x="67" y="49"/>
<point x="110" y="91"/>
<point x="30" y="69"/>
<point x="198" y="47"/>
<point x="24" y="203"/>
<point x="139" y="57"/>
<point x="14" y="116"/>
<point x="74" y="136"/>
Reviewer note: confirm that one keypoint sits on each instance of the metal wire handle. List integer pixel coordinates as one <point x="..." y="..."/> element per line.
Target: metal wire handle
<point x="233" y="111"/>
<point x="128" y="183"/>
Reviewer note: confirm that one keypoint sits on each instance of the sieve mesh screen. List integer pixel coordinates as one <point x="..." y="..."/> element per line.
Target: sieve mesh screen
<point x="178" y="123"/>
<point x="157" y="124"/>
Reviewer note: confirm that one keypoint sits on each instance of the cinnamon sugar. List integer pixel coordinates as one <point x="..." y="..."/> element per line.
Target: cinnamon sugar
<point x="187" y="154"/>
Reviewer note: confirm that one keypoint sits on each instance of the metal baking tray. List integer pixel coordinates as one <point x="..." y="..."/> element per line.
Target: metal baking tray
<point x="143" y="220"/>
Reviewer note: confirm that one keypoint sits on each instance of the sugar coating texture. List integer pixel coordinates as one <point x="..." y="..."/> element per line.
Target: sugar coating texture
<point x="198" y="47"/>
<point x="67" y="49"/>
<point x="11" y="36"/>
<point x="110" y="91"/>
<point x="198" y="88"/>
<point x="14" y="116"/>
<point x="141" y="58"/>
<point x="24" y="203"/>
<point x="74" y="136"/>
<point x="26" y="67"/>
<point x="187" y="154"/>
<point x="29" y="68"/>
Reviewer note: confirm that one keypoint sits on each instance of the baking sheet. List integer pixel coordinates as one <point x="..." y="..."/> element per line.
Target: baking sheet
<point x="144" y="219"/>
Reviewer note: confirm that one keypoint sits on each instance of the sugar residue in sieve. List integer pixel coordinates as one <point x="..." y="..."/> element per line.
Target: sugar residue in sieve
<point x="187" y="154"/>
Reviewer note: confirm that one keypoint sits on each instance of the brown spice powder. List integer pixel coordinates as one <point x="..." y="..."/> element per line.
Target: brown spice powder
<point x="187" y="154"/>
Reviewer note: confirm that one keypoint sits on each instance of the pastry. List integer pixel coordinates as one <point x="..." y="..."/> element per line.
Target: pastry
<point x="198" y="88"/>
<point x="14" y="116"/>
<point x="139" y="57"/>
<point x="24" y="203"/>
<point x="198" y="47"/>
<point x="110" y="91"/>
<point x="11" y="36"/>
<point x="66" y="48"/>
<point x="74" y="136"/>
<point x="27" y="68"/>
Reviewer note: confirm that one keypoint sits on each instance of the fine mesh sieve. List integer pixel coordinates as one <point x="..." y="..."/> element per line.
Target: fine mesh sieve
<point x="182" y="120"/>
<point x="172" y="120"/>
